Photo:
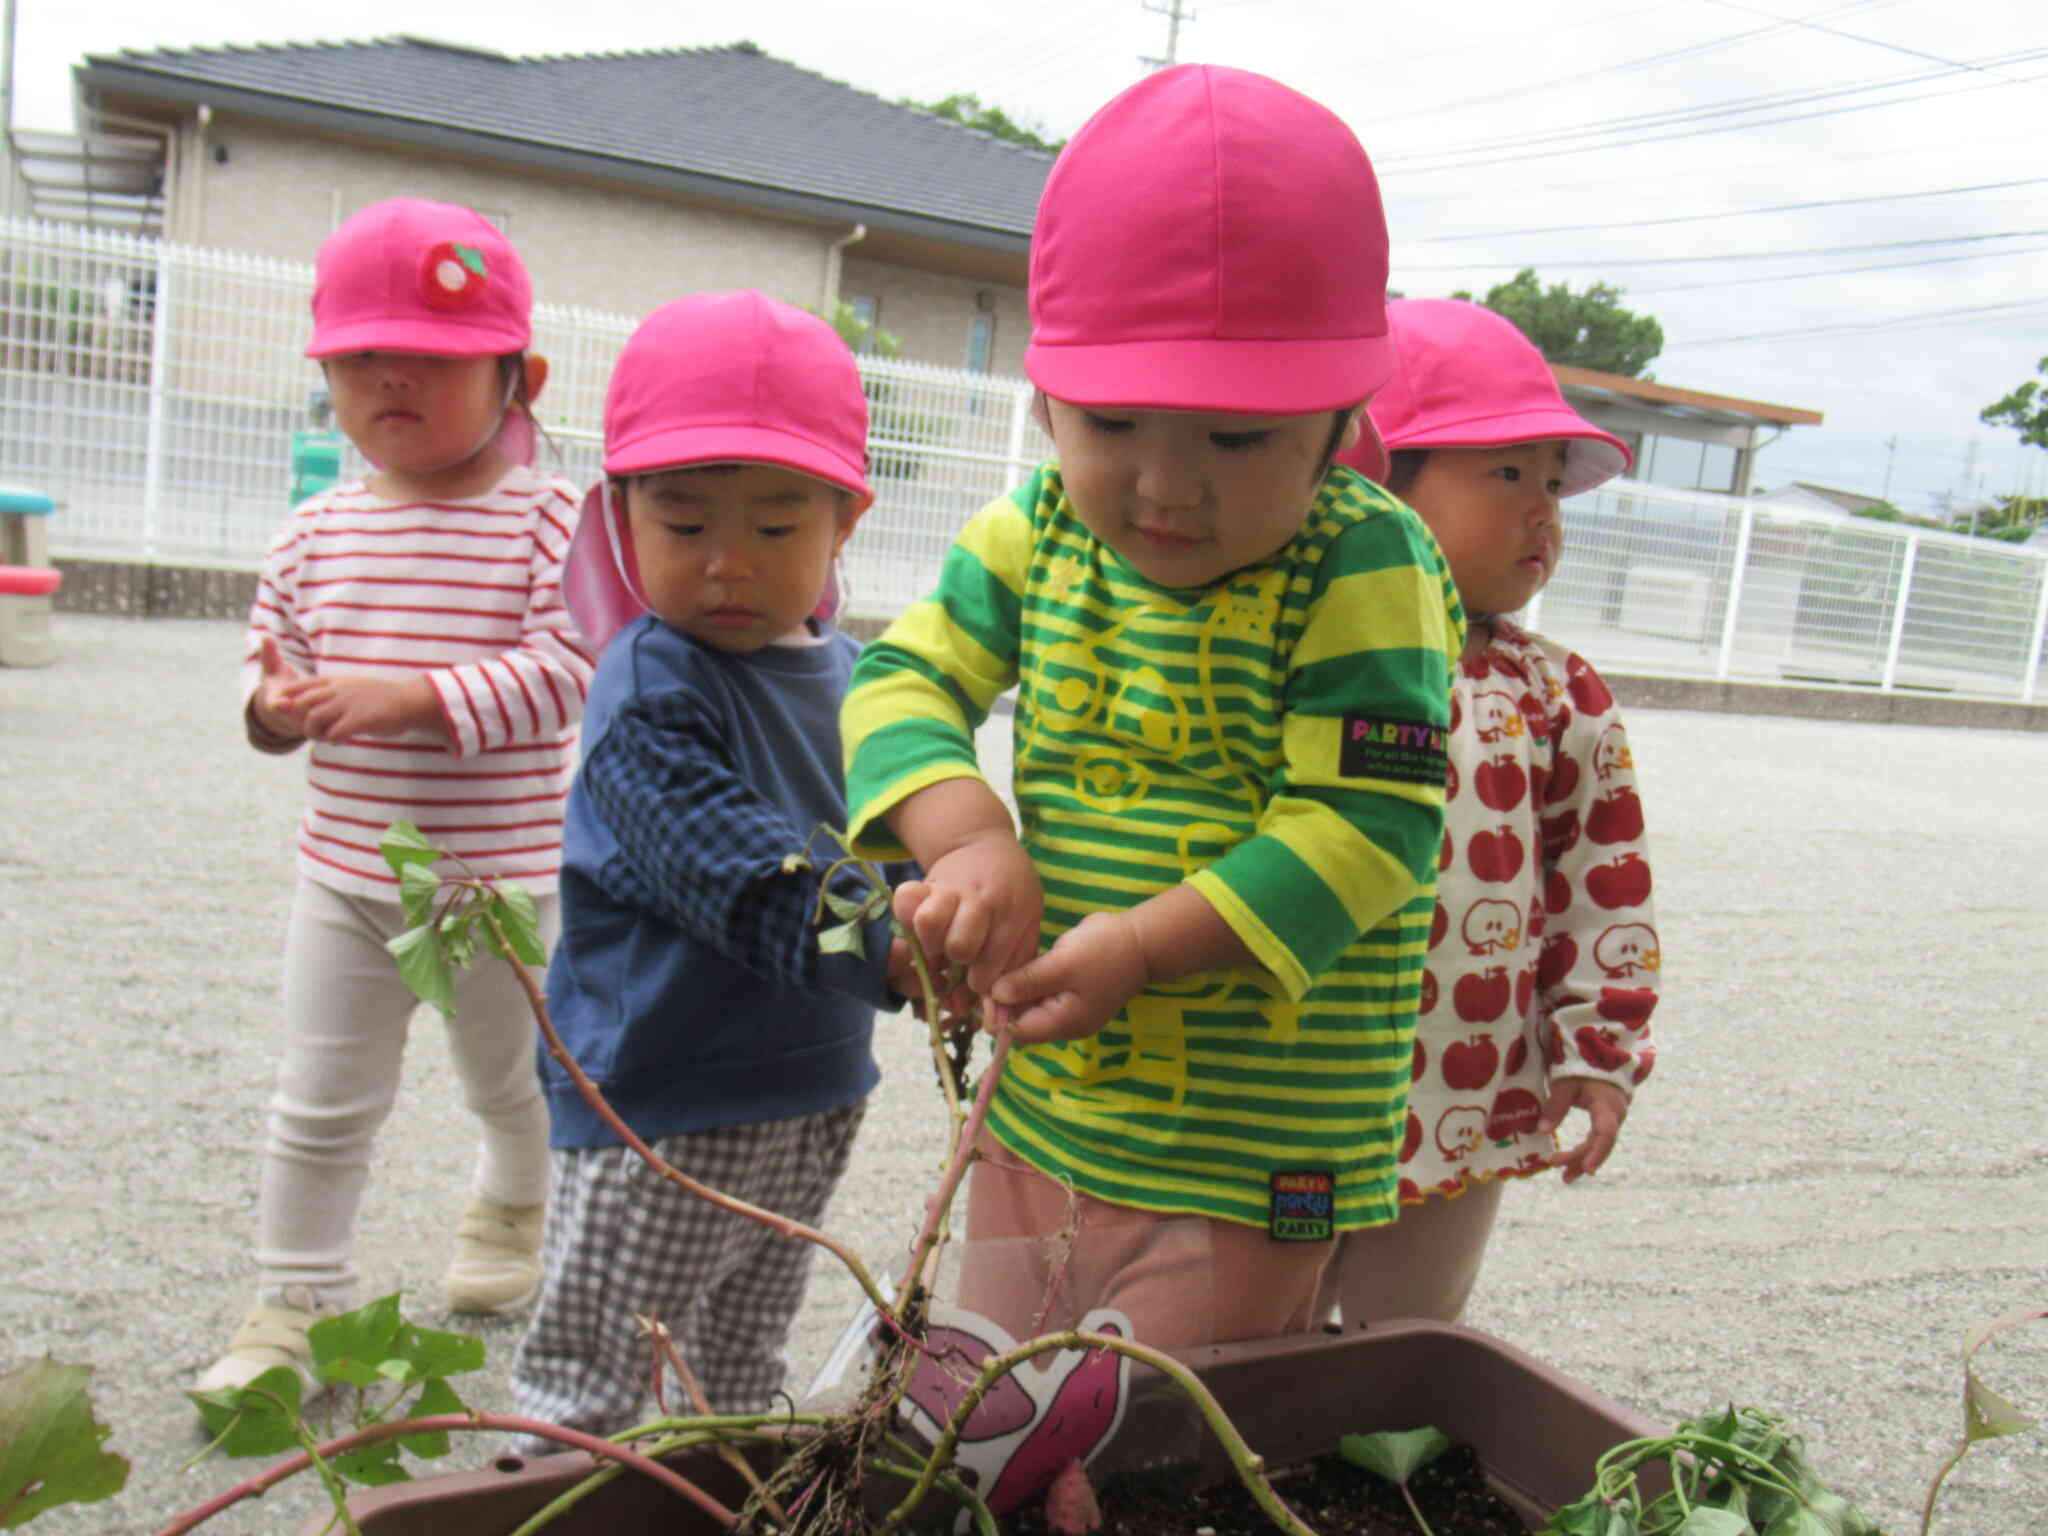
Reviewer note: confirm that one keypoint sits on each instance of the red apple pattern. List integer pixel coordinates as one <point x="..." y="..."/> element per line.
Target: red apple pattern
<point x="1543" y="947"/>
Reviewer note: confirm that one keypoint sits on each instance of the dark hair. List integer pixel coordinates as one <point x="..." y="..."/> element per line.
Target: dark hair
<point x="1404" y="467"/>
<point x="1339" y="419"/>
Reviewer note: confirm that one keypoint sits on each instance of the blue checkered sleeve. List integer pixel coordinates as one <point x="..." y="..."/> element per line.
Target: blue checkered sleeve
<point x="702" y="849"/>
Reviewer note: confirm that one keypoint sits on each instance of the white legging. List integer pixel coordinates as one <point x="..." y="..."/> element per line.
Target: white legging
<point x="347" y="1013"/>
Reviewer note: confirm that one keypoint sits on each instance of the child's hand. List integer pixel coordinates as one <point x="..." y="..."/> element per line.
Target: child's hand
<point x="334" y="708"/>
<point x="268" y="702"/>
<point x="976" y="910"/>
<point x="1605" y="1105"/>
<point x="954" y="1003"/>
<point x="1078" y="985"/>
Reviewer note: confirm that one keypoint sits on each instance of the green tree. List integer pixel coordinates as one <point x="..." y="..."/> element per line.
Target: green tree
<point x="2025" y="410"/>
<point x="965" y="107"/>
<point x="1586" y="330"/>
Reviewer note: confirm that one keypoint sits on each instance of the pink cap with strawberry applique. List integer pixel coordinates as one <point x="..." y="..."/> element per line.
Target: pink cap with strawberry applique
<point x="1469" y="378"/>
<point x="1210" y="240"/>
<point x="408" y="275"/>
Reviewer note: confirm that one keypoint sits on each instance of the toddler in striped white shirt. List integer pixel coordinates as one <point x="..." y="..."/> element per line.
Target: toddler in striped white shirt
<point x="409" y="627"/>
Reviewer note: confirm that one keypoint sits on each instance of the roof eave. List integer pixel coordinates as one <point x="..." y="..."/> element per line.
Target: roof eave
<point x="101" y="79"/>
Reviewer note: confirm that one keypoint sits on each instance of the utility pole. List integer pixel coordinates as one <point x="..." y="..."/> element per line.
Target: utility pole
<point x="1171" y="10"/>
<point x="1891" y="453"/>
<point x="1969" y="474"/>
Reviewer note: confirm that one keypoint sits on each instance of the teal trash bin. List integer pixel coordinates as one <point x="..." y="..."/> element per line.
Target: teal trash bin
<point x="28" y="582"/>
<point x="316" y="461"/>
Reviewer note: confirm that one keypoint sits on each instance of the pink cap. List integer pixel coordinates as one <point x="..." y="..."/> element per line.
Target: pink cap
<point x="1470" y="379"/>
<point x="1210" y="241"/>
<point x="407" y="275"/>
<point x="730" y="378"/>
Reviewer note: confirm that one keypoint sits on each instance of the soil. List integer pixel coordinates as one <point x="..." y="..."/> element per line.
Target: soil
<point x="1332" y="1497"/>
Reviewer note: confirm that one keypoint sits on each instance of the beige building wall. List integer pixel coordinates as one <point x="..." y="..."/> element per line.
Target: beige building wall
<point x="272" y="190"/>
<point x="933" y="313"/>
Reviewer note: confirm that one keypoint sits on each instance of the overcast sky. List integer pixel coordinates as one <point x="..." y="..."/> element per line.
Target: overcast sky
<point x="1834" y="204"/>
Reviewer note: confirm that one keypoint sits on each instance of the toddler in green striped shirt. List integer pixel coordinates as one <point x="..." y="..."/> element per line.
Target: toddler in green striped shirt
<point x="1232" y="663"/>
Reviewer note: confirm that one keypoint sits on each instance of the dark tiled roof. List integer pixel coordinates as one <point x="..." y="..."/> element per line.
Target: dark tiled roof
<point x="732" y="113"/>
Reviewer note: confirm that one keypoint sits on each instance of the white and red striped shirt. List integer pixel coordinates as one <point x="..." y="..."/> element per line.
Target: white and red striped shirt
<point x="468" y="593"/>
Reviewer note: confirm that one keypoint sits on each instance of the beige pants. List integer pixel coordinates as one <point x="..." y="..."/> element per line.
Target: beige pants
<point x="1423" y="1265"/>
<point x="1038" y="1257"/>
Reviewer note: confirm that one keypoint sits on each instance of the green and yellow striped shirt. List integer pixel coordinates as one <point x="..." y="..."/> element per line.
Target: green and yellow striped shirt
<point x="1274" y="740"/>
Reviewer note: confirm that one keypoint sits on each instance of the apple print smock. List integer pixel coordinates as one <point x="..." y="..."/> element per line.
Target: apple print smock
<point x="1275" y="740"/>
<point x="1543" y="949"/>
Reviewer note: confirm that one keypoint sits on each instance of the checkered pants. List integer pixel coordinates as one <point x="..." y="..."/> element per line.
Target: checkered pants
<point x="621" y="1240"/>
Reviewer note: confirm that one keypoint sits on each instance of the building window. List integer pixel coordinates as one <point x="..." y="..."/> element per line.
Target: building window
<point x="867" y="318"/>
<point x="981" y="342"/>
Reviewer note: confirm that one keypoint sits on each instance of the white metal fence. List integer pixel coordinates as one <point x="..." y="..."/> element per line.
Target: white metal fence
<point x="154" y="390"/>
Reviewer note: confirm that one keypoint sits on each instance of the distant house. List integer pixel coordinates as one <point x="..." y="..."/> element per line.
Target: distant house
<point x="624" y="179"/>
<point x="1805" y="496"/>
<point x="1681" y="438"/>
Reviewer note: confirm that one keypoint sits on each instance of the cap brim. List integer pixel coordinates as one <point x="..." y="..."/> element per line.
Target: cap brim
<point x="1247" y="378"/>
<point x="428" y="338"/>
<point x="1592" y="457"/>
<point x="681" y="447"/>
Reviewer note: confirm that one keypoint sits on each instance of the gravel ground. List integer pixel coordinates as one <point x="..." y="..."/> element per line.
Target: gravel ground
<point x="1840" y="1166"/>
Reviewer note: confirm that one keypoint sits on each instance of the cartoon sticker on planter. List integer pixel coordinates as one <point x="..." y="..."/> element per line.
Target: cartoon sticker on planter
<point x="1030" y="1424"/>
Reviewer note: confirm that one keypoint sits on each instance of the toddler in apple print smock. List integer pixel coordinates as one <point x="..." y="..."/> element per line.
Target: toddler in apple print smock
<point x="1543" y="949"/>
<point x="1543" y="956"/>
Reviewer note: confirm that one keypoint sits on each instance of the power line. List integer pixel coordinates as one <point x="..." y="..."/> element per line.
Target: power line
<point x="1733" y="213"/>
<point x="1899" y="322"/>
<point x="1683" y="261"/>
<point x="1793" y="277"/>
<point x="1625" y="67"/>
<point x="1554" y="144"/>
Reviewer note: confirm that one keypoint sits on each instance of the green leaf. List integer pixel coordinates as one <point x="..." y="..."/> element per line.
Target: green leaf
<point x="795" y="863"/>
<point x="851" y="908"/>
<point x="418" y="886"/>
<point x="420" y="963"/>
<point x="1704" y="1520"/>
<point x="372" y="1465"/>
<point x="1590" y="1516"/>
<point x="1986" y="1415"/>
<point x="350" y="1346"/>
<point x="50" y="1443"/>
<point x="437" y="1398"/>
<point x="848" y="938"/>
<point x="516" y="914"/>
<point x="257" y="1419"/>
<point x="1394" y="1454"/>
<point x="458" y="938"/>
<point x="403" y="844"/>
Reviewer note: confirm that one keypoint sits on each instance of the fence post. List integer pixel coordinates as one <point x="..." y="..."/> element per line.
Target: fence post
<point x="1723" y="666"/>
<point x="1020" y="412"/>
<point x="159" y="391"/>
<point x="2033" y="659"/>
<point x="1891" y="655"/>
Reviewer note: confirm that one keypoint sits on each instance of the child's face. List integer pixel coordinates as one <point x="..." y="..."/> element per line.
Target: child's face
<point x="735" y="555"/>
<point x="414" y="415"/>
<point x="1494" y="511"/>
<point x="1187" y="497"/>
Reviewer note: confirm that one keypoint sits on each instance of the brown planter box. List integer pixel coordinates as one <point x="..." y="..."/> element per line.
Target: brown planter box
<point x="1538" y="1433"/>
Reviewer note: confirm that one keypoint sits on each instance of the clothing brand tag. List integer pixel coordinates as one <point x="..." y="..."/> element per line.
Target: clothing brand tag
<point x="1407" y="751"/>
<point x="1303" y="1207"/>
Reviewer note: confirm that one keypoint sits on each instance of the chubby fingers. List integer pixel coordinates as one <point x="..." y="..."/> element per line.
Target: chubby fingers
<point x="1606" y="1107"/>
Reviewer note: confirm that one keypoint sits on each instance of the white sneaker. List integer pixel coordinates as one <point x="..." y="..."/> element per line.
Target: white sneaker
<point x="497" y="1257"/>
<point x="273" y="1334"/>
